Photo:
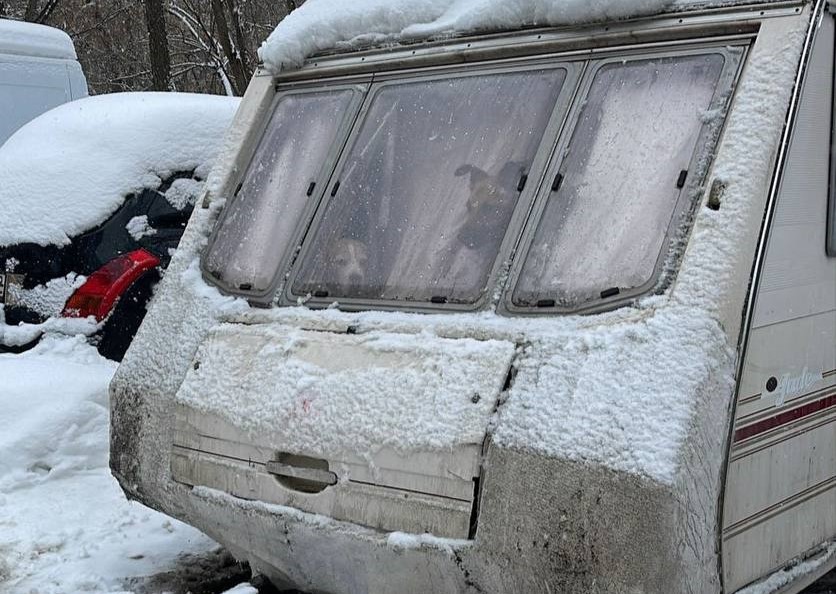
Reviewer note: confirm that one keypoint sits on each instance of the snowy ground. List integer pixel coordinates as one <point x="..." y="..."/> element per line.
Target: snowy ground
<point x="65" y="527"/>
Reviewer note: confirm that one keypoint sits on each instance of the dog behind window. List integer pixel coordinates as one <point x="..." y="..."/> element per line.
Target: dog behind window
<point x="490" y="201"/>
<point x="346" y="267"/>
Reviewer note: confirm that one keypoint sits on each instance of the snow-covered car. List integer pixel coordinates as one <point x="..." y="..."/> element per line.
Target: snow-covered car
<point x="95" y="195"/>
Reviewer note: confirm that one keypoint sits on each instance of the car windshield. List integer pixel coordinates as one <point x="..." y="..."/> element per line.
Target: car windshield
<point x="603" y="229"/>
<point x="428" y="188"/>
<point x="253" y="238"/>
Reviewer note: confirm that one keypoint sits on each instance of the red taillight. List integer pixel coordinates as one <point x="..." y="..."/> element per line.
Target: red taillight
<point x="97" y="296"/>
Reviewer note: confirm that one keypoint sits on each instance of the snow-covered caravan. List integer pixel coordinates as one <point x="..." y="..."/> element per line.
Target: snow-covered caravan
<point x="509" y="297"/>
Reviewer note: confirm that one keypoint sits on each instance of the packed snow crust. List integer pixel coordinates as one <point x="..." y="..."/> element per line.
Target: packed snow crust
<point x="320" y="25"/>
<point x="29" y="39"/>
<point x="84" y="158"/>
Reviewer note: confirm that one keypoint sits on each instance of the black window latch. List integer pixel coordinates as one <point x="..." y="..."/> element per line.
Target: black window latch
<point x="522" y="182"/>
<point x="558" y="181"/>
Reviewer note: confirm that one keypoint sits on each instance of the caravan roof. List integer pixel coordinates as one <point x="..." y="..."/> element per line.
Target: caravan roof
<point x="28" y="39"/>
<point x="328" y="25"/>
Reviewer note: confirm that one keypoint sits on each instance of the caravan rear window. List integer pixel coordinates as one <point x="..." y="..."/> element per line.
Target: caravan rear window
<point x="539" y="186"/>
<point x="253" y="238"/>
<point x="426" y="192"/>
<point x="604" y="227"/>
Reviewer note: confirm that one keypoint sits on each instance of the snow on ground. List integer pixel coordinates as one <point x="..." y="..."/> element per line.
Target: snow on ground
<point x="65" y="526"/>
<point x="143" y="137"/>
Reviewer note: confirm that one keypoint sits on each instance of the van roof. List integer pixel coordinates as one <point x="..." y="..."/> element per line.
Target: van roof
<point x="29" y="39"/>
<point x="328" y="26"/>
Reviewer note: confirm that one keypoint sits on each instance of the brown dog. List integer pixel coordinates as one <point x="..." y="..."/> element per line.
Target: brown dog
<point x="489" y="204"/>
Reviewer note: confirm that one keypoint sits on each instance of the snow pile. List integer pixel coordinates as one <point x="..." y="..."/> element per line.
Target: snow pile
<point x="83" y="158"/>
<point x="64" y="524"/>
<point x="47" y="299"/>
<point x="183" y="192"/>
<point x="325" y="24"/>
<point x="23" y="334"/>
<point x="138" y="227"/>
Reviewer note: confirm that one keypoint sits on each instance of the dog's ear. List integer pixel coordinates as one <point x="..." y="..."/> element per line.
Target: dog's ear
<point x="476" y="174"/>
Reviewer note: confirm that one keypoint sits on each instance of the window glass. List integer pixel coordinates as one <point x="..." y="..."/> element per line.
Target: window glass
<point x="428" y="188"/>
<point x="252" y="239"/>
<point x="605" y="226"/>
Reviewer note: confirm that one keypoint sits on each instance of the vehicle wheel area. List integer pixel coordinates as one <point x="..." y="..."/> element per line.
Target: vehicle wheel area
<point x="121" y="326"/>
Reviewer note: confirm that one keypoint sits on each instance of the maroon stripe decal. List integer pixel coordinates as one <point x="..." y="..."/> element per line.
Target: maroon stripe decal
<point x="784" y="418"/>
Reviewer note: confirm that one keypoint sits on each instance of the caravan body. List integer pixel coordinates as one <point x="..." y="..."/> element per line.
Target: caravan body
<point x="551" y="310"/>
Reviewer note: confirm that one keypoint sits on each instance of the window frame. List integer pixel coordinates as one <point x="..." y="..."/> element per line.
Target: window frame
<point x="539" y="164"/>
<point x="687" y="201"/>
<point x="360" y="87"/>
<point x="581" y="67"/>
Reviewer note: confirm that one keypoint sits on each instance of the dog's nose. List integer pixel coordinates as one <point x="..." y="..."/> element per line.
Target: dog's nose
<point x="355" y="278"/>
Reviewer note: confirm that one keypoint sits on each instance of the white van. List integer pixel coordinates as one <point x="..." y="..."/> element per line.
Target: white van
<point x="38" y="71"/>
<point x="539" y="310"/>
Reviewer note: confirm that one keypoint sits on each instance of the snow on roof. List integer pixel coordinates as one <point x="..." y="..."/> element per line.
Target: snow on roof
<point x="29" y="39"/>
<point x="67" y="170"/>
<point x="320" y="25"/>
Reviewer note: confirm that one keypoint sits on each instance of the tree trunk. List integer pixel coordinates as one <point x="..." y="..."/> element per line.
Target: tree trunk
<point x="240" y="76"/>
<point x="158" y="45"/>
<point x="31" y="13"/>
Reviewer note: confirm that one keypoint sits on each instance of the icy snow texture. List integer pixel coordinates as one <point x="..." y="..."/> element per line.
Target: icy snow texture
<point x="66" y="171"/>
<point x="65" y="526"/>
<point x="378" y="387"/>
<point x="35" y="40"/>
